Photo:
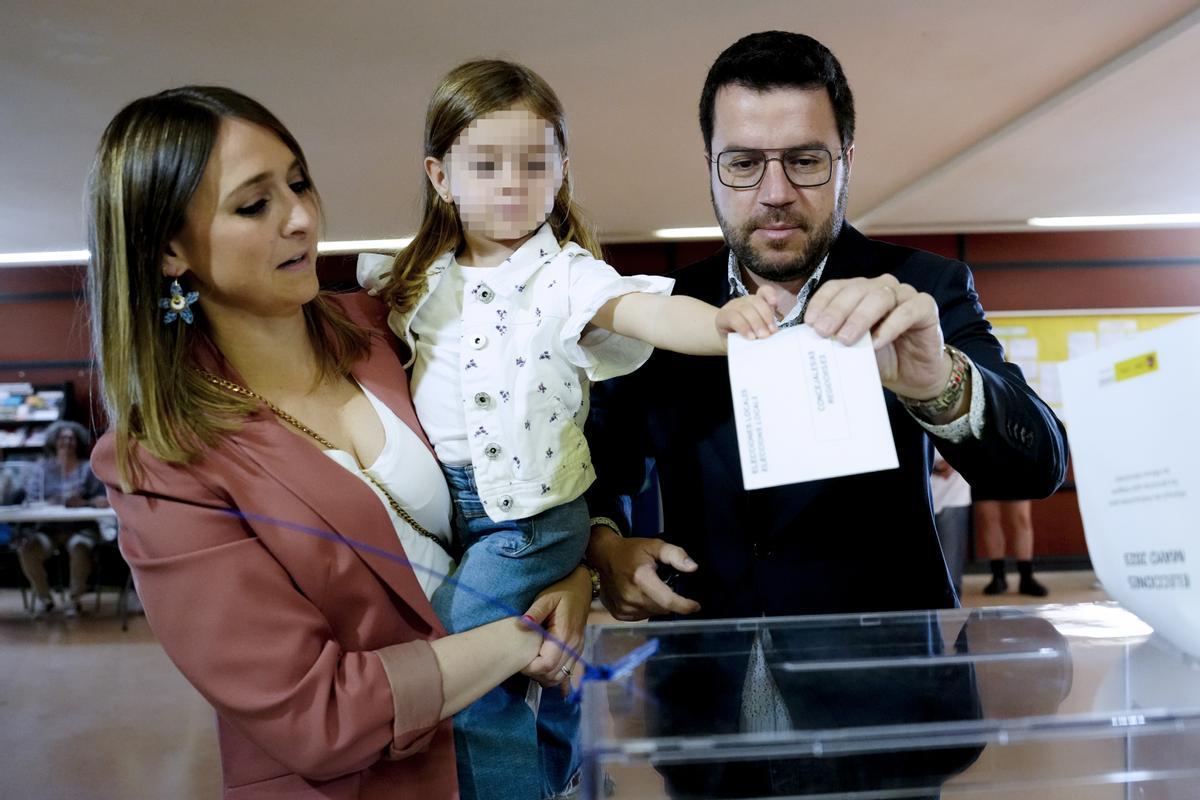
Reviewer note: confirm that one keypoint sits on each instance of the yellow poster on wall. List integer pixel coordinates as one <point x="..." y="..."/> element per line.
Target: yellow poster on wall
<point x="1038" y="341"/>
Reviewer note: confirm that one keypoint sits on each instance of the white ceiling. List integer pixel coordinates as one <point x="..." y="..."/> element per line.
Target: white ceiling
<point x="973" y="114"/>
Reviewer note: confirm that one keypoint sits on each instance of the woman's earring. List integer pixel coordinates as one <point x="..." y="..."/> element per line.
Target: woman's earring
<point x="178" y="305"/>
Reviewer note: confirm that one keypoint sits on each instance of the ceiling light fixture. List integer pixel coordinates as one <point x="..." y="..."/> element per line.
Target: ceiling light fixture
<point x="55" y="258"/>
<point x="361" y="245"/>
<point x="1115" y="221"/>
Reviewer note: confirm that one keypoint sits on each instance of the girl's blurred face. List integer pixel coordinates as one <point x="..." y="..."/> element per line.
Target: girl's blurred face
<point x="249" y="242"/>
<point x="503" y="172"/>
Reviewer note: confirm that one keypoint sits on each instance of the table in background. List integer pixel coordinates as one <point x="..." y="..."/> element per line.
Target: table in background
<point x="106" y="520"/>
<point x="55" y="513"/>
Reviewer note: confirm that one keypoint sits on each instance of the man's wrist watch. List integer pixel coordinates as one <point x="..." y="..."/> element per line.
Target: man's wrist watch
<point x="960" y="373"/>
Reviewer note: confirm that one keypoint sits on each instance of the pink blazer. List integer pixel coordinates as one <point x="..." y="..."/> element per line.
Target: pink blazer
<point x="314" y="653"/>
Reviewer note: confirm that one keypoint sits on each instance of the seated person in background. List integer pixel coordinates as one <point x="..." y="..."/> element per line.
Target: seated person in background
<point x="10" y="492"/>
<point x="65" y="477"/>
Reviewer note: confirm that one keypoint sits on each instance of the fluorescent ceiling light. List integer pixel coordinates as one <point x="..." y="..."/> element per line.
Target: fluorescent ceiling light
<point x="1115" y="221"/>
<point x="689" y="233"/>
<point x="358" y="246"/>
<point x="51" y="257"/>
<point x="61" y="257"/>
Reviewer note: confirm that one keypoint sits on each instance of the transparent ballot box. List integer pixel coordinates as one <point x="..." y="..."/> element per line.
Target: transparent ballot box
<point x="1056" y="701"/>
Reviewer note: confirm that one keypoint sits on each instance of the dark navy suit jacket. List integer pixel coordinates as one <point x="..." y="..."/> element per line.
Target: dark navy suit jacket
<point x="858" y="543"/>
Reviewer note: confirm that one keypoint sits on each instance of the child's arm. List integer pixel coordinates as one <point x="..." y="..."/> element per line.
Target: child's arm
<point x="687" y="325"/>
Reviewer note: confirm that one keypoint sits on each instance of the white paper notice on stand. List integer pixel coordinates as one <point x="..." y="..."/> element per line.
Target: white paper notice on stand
<point x="807" y="408"/>
<point x="1130" y="411"/>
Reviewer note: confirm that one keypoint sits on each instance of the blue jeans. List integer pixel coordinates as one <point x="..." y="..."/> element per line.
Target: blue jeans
<point x="505" y="751"/>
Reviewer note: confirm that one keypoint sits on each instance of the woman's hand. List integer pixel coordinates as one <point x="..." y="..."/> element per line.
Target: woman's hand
<point x="562" y="609"/>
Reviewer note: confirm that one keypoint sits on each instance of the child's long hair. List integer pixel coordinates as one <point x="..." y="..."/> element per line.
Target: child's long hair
<point x="470" y="91"/>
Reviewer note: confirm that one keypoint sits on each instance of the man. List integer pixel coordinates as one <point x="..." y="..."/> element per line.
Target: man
<point x="777" y="117"/>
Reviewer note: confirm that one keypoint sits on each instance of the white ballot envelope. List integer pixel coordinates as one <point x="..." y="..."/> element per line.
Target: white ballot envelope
<point x="807" y="408"/>
<point x="1130" y="410"/>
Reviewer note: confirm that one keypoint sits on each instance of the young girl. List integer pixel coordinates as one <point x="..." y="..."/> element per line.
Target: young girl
<point x="507" y="317"/>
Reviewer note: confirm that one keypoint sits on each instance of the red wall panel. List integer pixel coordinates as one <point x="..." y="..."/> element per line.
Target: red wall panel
<point x="41" y="318"/>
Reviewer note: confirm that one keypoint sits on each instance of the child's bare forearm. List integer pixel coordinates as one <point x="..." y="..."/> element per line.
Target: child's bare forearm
<point x="676" y="322"/>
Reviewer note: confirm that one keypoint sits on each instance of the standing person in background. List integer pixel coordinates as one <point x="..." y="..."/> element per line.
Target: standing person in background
<point x="281" y="510"/>
<point x="952" y="516"/>
<point x="1004" y="523"/>
<point x="63" y="477"/>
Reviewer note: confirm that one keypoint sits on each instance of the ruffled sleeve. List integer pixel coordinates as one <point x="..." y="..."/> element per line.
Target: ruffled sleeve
<point x="603" y="354"/>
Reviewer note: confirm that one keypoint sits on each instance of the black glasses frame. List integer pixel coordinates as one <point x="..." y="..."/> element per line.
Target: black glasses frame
<point x="781" y="151"/>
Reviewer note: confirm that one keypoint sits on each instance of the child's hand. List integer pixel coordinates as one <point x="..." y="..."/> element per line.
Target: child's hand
<point x="754" y="316"/>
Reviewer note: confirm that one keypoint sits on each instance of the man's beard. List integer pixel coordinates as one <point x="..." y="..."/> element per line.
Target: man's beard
<point x="819" y="240"/>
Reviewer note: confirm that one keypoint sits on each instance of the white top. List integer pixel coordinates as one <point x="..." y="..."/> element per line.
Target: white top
<point x="948" y="492"/>
<point x="436" y="379"/>
<point x="523" y="364"/>
<point x="405" y="467"/>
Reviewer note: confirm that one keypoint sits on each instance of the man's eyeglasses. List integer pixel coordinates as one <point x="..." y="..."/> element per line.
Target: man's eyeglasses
<point x="803" y="166"/>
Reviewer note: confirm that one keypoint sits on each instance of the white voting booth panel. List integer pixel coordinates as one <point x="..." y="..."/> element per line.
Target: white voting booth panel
<point x="1130" y="411"/>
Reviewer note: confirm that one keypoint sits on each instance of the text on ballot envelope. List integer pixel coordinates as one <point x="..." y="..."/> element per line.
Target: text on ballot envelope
<point x="807" y="408"/>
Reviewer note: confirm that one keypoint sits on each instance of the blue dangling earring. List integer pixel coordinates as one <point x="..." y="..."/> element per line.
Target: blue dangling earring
<point x="178" y="305"/>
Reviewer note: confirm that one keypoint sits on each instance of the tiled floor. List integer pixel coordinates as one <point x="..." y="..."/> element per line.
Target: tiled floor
<point x="1065" y="587"/>
<point x="89" y="711"/>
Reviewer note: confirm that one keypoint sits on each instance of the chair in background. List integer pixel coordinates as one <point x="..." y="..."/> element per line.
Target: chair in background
<point x="20" y="483"/>
<point x="109" y="570"/>
<point x="108" y="562"/>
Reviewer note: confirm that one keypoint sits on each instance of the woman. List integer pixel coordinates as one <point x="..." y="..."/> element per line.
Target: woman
<point x="273" y="566"/>
<point x="64" y="477"/>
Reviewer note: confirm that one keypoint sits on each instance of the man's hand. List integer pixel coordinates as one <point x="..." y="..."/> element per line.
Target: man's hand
<point x="904" y="326"/>
<point x="562" y="609"/>
<point x="629" y="584"/>
<point x="755" y="316"/>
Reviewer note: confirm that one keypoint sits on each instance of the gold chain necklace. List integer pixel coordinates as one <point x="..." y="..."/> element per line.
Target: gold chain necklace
<point x="238" y="389"/>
